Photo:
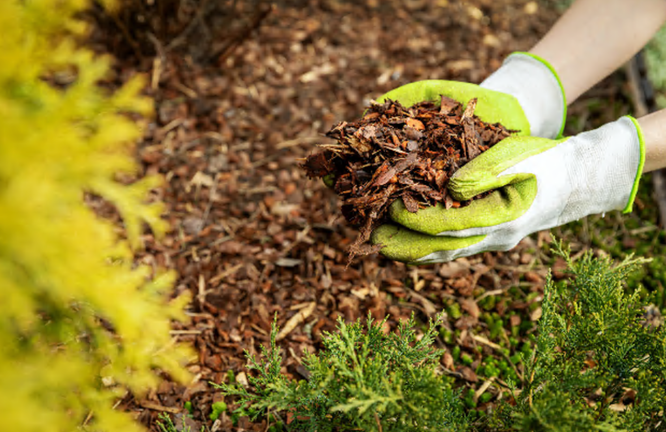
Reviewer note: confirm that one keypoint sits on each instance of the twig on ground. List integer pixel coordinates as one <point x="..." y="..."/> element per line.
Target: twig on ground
<point x="297" y="319"/>
<point x="197" y="18"/>
<point x="497" y="348"/>
<point x="483" y="388"/>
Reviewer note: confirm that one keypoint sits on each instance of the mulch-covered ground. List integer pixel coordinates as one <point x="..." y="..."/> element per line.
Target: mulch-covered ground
<point x="252" y="236"/>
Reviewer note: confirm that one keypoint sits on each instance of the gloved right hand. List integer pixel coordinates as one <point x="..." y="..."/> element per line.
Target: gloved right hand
<point x="537" y="184"/>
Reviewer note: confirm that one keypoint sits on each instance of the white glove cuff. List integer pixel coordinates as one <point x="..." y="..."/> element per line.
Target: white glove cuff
<point x="535" y="84"/>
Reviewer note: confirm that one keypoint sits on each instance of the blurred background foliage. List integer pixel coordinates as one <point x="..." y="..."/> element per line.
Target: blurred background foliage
<point x="655" y="56"/>
<point x="82" y="323"/>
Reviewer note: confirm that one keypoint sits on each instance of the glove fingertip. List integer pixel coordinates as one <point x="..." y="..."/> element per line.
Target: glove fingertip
<point x="462" y="189"/>
<point x="391" y="237"/>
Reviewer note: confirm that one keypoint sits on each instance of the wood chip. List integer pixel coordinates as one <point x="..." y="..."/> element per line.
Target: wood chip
<point x="410" y="203"/>
<point x="468" y="374"/>
<point x="448" y="105"/>
<point x="536" y="314"/>
<point x="158" y="407"/>
<point x="470" y="306"/>
<point x="416" y="124"/>
<point x="297" y="319"/>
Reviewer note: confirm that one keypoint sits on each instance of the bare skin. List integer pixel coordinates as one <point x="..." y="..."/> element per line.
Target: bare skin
<point x="595" y="37"/>
<point x="654" y="136"/>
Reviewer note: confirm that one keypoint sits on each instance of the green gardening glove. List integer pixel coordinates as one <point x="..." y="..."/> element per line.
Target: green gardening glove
<point x="539" y="184"/>
<point x="492" y="107"/>
<point x="525" y="95"/>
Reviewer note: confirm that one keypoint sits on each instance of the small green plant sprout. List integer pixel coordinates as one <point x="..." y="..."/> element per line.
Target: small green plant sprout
<point x="362" y="379"/>
<point x="217" y="409"/>
<point x="188" y="406"/>
<point x="165" y="424"/>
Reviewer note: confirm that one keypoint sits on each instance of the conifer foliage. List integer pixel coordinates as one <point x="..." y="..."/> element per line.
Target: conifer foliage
<point x="80" y="321"/>
<point x="599" y="365"/>
<point x="362" y="380"/>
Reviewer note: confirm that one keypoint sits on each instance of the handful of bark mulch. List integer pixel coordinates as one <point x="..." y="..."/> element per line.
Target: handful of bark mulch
<point x="395" y="152"/>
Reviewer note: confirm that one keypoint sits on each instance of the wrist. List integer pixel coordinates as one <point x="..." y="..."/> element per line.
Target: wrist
<point x="653" y="127"/>
<point x="536" y="86"/>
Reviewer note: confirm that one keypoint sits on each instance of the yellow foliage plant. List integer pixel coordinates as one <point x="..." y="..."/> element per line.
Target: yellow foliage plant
<point x="80" y="321"/>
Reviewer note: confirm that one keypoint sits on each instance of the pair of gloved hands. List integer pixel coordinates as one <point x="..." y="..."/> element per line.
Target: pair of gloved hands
<point x="540" y="182"/>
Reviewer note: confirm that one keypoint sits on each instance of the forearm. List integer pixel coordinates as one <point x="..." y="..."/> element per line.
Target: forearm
<point x="595" y="37"/>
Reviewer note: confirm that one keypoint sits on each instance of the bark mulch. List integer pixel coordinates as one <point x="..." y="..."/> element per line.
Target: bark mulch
<point x="252" y="235"/>
<point x="396" y="152"/>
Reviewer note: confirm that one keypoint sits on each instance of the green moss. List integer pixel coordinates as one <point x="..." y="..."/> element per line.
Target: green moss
<point x="454" y="311"/>
<point x="491" y="371"/>
<point x="496" y="329"/>
<point x="455" y="352"/>
<point x="446" y="335"/>
<point x="469" y="398"/>
<point x="217" y="409"/>
<point x="488" y="303"/>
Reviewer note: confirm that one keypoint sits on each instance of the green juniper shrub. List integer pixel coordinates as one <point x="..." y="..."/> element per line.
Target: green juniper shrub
<point x="593" y="349"/>
<point x="595" y="364"/>
<point x="363" y="379"/>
